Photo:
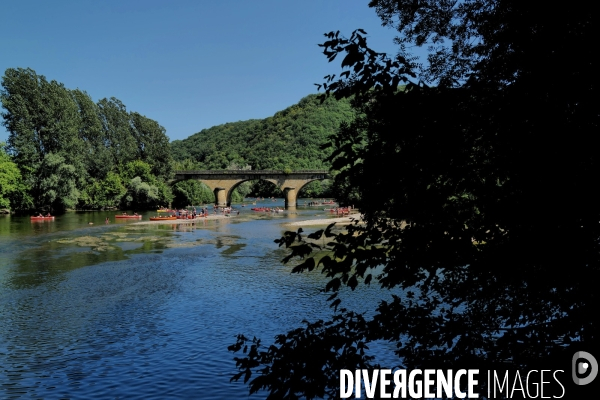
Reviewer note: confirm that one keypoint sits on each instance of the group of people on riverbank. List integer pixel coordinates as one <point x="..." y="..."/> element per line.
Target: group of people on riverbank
<point x="340" y="210"/>
<point x="319" y="203"/>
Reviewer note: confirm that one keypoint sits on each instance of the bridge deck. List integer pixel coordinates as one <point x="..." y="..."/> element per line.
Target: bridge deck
<point x="251" y="172"/>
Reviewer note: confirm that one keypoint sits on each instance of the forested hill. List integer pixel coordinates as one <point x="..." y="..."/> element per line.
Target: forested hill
<point x="289" y="140"/>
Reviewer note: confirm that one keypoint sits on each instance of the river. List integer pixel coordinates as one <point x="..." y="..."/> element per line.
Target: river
<point x="147" y="311"/>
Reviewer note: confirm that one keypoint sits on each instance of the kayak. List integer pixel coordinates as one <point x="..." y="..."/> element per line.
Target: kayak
<point x="163" y="218"/>
<point x="128" y="216"/>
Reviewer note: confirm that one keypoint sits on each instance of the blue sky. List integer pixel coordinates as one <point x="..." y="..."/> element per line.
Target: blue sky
<point x="189" y="65"/>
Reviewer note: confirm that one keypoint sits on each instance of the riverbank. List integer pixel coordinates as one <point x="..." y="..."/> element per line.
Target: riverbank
<point x="323" y="221"/>
<point x="326" y="221"/>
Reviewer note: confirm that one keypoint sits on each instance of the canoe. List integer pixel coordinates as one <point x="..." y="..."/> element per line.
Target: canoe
<point x="163" y="218"/>
<point x="41" y="218"/>
<point x="163" y="210"/>
<point x="128" y="216"/>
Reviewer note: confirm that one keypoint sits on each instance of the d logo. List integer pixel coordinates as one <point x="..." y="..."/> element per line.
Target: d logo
<point x="588" y="366"/>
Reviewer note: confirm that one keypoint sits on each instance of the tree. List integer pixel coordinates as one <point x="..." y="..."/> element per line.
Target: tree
<point x="11" y="185"/>
<point x="98" y="160"/>
<point x="103" y="194"/>
<point x="57" y="184"/>
<point x="144" y="189"/>
<point x="152" y="143"/>
<point x="191" y="193"/>
<point x="68" y="150"/>
<point x="477" y="194"/>
<point x="117" y="131"/>
<point x="43" y="123"/>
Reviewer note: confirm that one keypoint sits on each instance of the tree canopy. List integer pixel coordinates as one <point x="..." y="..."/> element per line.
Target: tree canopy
<point x="292" y="138"/>
<point x="11" y="185"/>
<point x="73" y="153"/>
<point x="476" y="184"/>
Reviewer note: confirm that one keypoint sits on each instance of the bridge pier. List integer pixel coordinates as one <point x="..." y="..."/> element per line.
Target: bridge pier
<point x="290" y="197"/>
<point x="221" y="196"/>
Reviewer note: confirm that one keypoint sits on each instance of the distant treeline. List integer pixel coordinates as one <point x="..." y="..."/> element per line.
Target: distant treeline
<point x="66" y="152"/>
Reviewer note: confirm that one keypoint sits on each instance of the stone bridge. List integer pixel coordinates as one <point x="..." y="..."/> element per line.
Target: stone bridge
<point x="223" y="182"/>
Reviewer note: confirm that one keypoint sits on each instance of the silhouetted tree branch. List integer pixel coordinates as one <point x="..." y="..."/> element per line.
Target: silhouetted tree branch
<point x="477" y="189"/>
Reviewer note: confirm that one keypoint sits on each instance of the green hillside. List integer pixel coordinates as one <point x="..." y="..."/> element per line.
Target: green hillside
<point x="289" y="140"/>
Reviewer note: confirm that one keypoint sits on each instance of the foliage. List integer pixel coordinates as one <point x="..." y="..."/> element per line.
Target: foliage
<point x="11" y="187"/>
<point x="316" y="189"/>
<point x="141" y="194"/>
<point x="56" y="186"/>
<point x="214" y="148"/>
<point x="103" y="194"/>
<point x="152" y="143"/>
<point x="42" y="119"/>
<point x="265" y="189"/>
<point x="477" y="196"/>
<point x="97" y="157"/>
<point x="144" y="190"/>
<point x="137" y="168"/>
<point x="56" y="131"/>
<point x="191" y="193"/>
<point x="117" y="134"/>
<point x="186" y="164"/>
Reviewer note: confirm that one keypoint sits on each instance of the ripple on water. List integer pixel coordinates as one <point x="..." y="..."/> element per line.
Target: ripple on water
<point x="150" y="325"/>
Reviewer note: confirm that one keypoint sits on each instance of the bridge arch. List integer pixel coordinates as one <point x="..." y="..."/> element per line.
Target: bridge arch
<point x="223" y="182"/>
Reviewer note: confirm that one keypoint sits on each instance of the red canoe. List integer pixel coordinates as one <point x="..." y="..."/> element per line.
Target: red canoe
<point x="41" y="218"/>
<point x="163" y="218"/>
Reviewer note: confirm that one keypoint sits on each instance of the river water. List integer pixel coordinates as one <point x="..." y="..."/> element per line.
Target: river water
<point x="147" y="311"/>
